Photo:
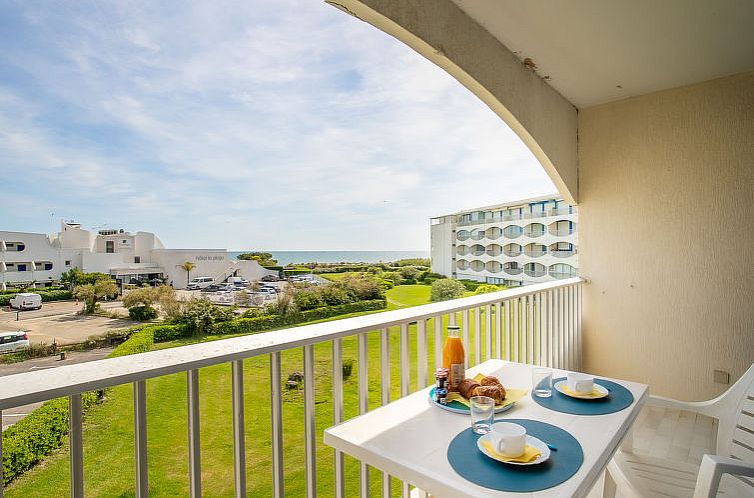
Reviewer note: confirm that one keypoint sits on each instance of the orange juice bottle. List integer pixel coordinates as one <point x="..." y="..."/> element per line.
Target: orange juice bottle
<point x="453" y="357"/>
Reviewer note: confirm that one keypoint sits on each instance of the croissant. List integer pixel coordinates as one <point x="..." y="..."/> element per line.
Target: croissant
<point x="496" y="392"/>
<point x="490" y="381"/>
<point x="467" y="386"/>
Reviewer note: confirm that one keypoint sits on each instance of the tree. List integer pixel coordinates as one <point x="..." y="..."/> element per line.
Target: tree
<point x="410" y="274"/>
<point x="187" y="267"/>
<point x="445" y="289"/>
<point x="139" y="303"/>
<point x="263" y="258"/>
<point x="91" y="293"/>
<point x="74" y="277"/>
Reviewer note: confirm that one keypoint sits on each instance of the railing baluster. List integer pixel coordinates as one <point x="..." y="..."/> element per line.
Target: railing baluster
<point x="437" y="322"/>
<point x="579" y="353"/>
<point x="405" y="490"/>
<point x="195" y="458"/>
<point x="75" y="436"/>
<point x="310" y="441"/>
<point x="276" y="426"/>
<point x="498" y="331"/>
<point x="574" y="330"/>
<point x="477" y="336"/>
<point x="488" y="332"/>
<point x="531" y="337"/>
<point x="551" y="332"/>
<point x="385" y="393"/>
<point x="363" y="401"/>
<point x="405" y="361"/>
<point x="421" y="354"/>
<point x="507" y="331"/>
<point x="239" y="430"/>
<point x="465" y="337"/>
<point x="516" y="329"/>
<point x="561" y="336"/>
<point x="337" y="414"/>
<point x="140" y="438"/>
<point x="542" y="305"/>
<point x="569" y="291"/>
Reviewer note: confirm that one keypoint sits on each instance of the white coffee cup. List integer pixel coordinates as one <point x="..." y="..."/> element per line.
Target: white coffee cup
<point x="580" y="383"/>
<point x="508" y="439"/>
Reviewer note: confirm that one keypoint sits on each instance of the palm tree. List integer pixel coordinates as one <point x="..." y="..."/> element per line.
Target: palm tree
<point x="187" y="266"/>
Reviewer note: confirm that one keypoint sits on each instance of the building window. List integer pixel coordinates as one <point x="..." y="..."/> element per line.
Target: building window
<point x="20" y="247"/>
<point x="109" y="246"/>
<point x="48" y="266"/>
<point x="137" y="259"/>
<point x="68" y="262"/>
<point x="20" y="267"/>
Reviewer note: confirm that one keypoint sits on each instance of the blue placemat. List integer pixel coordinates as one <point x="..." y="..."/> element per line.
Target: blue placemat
<point x="472" y="465"/>
<point x="618" y="398"/>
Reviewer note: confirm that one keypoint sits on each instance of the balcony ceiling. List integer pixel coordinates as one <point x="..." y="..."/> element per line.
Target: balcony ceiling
<point x="597" y="51"/>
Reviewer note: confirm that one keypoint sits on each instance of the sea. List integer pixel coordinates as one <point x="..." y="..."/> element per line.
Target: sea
<point x="294" y="257"/>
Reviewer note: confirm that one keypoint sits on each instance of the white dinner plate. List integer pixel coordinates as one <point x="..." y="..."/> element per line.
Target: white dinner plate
<point x="530" y="440"/>
<point x="601" y="389"/>
<point x="457" y="407"/>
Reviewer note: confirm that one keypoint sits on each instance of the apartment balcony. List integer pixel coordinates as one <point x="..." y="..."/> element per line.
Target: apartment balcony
<point x="491" y="324"/>
<point x="512" y="268"/>
<point x="477" y="250"/>
<point x="512" y="250"/>
<point x="534" y="230"/>
<point x="493" y="233"/>
<point x="562" y="250"/>
<point x="535" y="270"/>
<point x="561" y="271"/>
<point x="535" y="250"/>
<point x="561" y="228"/>
<point x="512" y="232"/>
<point x="493" y="266"/>
<point x="560" y="211"/>
<point x="462" y="250"/>
<point x="493" y="250"/>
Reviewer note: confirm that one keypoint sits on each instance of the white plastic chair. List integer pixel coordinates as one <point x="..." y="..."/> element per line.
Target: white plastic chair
<point x="637" y="475"/>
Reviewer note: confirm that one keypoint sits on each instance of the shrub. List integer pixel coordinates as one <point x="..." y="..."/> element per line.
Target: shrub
<point x="200" y="315"/>
<point x="393" y="276"/>
<point x="347" y="368"/>
<point x="165" y="333"/>
<point x="363" y="286"/>
<point x="139" y="342"/>
<point x="295" y="271"/>
<point x="410" y="274"/>
<point x="412" y="262"/>
<point x="445" y="289"/>
<point x="142" y="313"/>
<point x="485" y="288"/>
<point x="335" y="294"/>
<point x="307" y="299"/>
<point x="470" y="284"/>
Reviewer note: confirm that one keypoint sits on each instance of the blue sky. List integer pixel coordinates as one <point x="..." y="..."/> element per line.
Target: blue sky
<point x="246" y="125"/>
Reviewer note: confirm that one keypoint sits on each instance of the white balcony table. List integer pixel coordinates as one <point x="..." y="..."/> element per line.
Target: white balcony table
<point x="393" y="438"/>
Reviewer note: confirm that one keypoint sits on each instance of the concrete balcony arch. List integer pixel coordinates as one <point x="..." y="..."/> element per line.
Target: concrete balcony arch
<point x="534" y="230"/>
<point x="535" y="250"/>
<point x="494" y="250"/>
<point x="493" y="266"/>
<point x="462" y="264"/>
<point x="493" y="233"/>
<point x="512" y="268"/>
<point x="561" y="228"/>
<point x="535" y="270"/>
<point x="463" y="235"/>
<point x="477" y="265"/>
<point x="477" y="234"/>
<point x="512" y="231"/>
<point x="562" y="270"/>
<point x="12" y="246"/>
<point x="462" y="250"/>
<point x="512" y="250"/>
<point x="562" y="249"/>
<point x="476" y="249"/>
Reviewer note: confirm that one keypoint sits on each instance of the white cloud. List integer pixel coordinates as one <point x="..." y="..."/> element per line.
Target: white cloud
<point x="253" y="124"/>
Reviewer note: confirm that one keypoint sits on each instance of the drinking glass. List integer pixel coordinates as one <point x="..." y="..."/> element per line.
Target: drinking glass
<point x="541" y="381"/>
<point x="482" y="413"/>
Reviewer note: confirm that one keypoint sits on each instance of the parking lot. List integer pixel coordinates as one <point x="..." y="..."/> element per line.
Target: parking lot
<point x="60" y="322"/>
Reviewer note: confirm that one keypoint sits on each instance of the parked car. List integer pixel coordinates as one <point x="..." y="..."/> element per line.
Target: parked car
<point x="270" y="278"/>
<point x="26" y="301"/>
<point x="238" y="281"/>
<point x="13" y="341"/>
<point x="200" y="283"/>
<point x="269" y="288"/>
<point x="213" y="288"/>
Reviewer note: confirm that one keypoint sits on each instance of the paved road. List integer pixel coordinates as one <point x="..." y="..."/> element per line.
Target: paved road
<point x="60" y="322"/>
<point x="10" y="417"/>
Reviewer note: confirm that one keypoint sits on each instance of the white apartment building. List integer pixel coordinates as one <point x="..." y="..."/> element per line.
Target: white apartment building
<point x="513" y="244"/>
<point x="27" y="258"/>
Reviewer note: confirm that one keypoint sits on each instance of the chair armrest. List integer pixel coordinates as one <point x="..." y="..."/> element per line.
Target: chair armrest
<point x="712" y="469"/>
<point x="703" y="407"/>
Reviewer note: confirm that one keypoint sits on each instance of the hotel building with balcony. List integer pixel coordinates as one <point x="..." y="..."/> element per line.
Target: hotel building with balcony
<point x="36" y="258"/>
<point x="513" y="244"/>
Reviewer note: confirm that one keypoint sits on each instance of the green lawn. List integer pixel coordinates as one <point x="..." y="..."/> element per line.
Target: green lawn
<point x="108" y="431"/>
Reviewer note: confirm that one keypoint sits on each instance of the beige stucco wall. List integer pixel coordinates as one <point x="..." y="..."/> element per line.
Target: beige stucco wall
<point x="440" y="31"/>
<point x="666" y="187"/>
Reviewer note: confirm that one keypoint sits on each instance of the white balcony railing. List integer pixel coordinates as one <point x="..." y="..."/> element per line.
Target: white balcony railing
<point x="537" y="324"/>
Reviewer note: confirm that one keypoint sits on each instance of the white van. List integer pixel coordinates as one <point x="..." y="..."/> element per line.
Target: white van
<point x="13" y="341"/>
<point x="238" y="281"/>
<point x="26" y="301"/>
<point x="200" y="283"/>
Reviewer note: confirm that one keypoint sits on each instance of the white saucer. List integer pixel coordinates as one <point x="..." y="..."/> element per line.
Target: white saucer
<point x="601" y="389"/>
<point x="530" y="440"/>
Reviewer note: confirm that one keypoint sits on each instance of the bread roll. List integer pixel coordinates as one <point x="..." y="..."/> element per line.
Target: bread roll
<point x="490" y="381"/>
<point x="495" y="392"/>
<point x="466" y="387"/>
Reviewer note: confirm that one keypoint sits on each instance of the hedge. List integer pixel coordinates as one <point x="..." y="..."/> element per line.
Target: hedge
<point x="164" y="333"/>
<point x="296" y="271"/>
<point x="35" y="436"/>
<point x="245" y="325"/>
<point x="53" y="295"/>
